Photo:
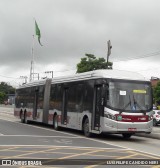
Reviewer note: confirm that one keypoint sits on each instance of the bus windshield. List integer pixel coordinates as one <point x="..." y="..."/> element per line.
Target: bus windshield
<point x="130" y="96"/>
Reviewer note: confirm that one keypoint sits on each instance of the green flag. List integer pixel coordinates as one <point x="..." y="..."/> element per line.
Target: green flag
<point x="38" y="33"/>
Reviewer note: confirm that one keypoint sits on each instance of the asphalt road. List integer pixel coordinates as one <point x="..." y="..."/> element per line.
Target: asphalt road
<point x="36" y="141"/>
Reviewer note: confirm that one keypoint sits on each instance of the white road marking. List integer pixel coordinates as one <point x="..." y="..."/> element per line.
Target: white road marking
<point x="40" y="136"/>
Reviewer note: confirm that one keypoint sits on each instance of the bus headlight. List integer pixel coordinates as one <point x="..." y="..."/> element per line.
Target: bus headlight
<point x="150" y="117"/>
<point x="110" y="116"/>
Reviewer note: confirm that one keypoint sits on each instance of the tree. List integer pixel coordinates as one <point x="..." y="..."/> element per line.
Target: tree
<point x="156" y="93"/>
<point x="2" y="97"/>
<point x="90" y="63"/>
<point x="5" y="89"/>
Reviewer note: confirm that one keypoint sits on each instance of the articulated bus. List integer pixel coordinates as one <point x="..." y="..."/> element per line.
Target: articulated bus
<point x="111" y="101"/>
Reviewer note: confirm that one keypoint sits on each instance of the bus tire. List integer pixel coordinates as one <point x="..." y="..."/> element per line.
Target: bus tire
<point x="21" y="117"/>
<point x="55" y="123"/>
<point x="86" y="128"/>
<point x="127" y="135"/>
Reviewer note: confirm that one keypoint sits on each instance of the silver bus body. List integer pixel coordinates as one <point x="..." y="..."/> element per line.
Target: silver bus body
<point x="99" y="101"/>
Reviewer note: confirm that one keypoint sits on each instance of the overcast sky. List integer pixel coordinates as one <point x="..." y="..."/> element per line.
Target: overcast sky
<point x="71" y="28"/>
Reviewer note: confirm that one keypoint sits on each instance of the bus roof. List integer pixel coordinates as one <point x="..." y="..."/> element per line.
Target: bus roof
<point x="111" y="74"/>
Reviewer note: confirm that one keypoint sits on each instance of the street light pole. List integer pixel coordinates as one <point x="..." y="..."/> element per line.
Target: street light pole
<point x="32" y="62"/>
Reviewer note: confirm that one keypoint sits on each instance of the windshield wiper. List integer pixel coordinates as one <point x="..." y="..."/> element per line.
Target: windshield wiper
<point x="129" y="103"/>
<point x="139" y="106"/>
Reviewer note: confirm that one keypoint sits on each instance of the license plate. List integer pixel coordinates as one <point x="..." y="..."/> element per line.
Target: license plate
<point x="132" y="129"/>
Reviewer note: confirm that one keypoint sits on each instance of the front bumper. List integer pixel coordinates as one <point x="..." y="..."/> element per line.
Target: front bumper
<point x="112" y="126"/>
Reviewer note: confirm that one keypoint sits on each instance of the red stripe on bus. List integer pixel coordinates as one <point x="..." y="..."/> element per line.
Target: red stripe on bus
<point x="29" y="114"/>
<point x="131" y="118"/>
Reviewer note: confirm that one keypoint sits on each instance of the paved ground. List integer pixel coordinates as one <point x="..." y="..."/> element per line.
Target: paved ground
<point x="81" y="151"/>
<point x="90" y="157"/>
<point x="34" y="141"/>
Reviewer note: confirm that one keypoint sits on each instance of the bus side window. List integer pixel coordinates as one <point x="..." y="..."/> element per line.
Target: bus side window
<point x="88" y="96"/>
<point x="79" y="97"/>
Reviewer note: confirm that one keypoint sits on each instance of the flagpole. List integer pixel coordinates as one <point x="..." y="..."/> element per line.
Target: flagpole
<point x="38" y="33"/>
<point x="32" y="62"/>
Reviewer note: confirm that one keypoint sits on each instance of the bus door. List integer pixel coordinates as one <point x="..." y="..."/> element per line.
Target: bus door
<point x="97" y="107"/>
<point x="64" y="106"/>
<point x="35" y="103"/>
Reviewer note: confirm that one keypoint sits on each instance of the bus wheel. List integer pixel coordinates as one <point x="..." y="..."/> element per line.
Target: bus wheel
<point x="21" y="117"/>
<point x="86" y="128"/>
<point x="127" y="135"/>
<point x="55" y="123"/>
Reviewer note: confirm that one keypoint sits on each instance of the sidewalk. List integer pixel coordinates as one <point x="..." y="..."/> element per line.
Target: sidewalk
<point x="8" y="109"/>
<point x="7" y="106"/>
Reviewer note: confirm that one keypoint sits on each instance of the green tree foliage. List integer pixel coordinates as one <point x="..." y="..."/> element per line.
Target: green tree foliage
<point x="2" y="97"/>
<point x="156" y="93"/>
<point x="5" y="89"/>
<point x="90" y="63"/>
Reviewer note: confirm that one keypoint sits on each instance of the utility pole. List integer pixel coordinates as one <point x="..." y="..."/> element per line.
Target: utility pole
<point x="109" y="51"/>
<point x="49" y="72"/>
